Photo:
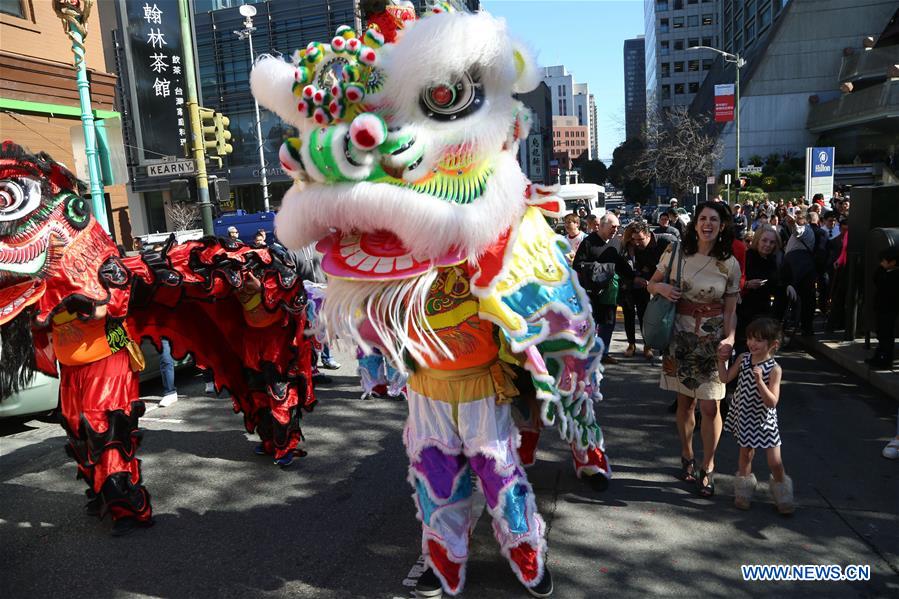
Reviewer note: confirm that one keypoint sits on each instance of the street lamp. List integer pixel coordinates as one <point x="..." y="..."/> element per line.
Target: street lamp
<point x="249" y="11"/>
<point x="74" y="15"/>
<point x="738" y="63"/>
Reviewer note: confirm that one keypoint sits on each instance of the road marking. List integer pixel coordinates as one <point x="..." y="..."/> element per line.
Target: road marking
<point x="165" y="420"/>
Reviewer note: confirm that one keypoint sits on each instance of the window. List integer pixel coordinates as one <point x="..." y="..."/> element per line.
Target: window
<point x="694" y="87"/>
<point x="12" y="7"/>
<point x="678" y="44"/>
<point x="661" y="5"/>
<point x="678" y="22"/>
<point x="692" y="1"/>
<point x="666" y="92"/>
<point x="678" y="89"/>
<point x="693" y="21"/>
<point x="664" y="47"/>
<point x="708" y="41"/>
<point x="666" y="69"/>
<point x="765" y="17"/>
<point x="749" y="32"/>
<point x="678" y="4"/>
<point x="693" y="66"/>
<point x="706" y="64"/>
<point x="708" y="19"/>
<point x="692" y="42"/>
<point x="663" y="26"/>
<point x="679" y="66"/>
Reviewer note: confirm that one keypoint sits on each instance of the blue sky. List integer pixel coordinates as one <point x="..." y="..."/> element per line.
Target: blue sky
<point x="587" y="36"/>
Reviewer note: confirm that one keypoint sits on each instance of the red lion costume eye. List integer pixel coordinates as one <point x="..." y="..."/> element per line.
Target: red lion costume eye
<point x="18" y="198"/>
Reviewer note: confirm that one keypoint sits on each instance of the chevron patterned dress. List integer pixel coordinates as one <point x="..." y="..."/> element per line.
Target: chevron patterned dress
<point x="752" y="422"/>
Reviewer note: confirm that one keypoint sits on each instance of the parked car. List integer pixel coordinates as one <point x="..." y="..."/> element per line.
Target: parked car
<point x="38" y="398"/>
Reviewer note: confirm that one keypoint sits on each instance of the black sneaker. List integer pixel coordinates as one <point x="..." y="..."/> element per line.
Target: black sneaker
<point x="598" y="482"/>
<point x="94" y="506"/>
<point x="428" y="585"/>
<point x="127" y="525"/>
<point x="544" y="588"/>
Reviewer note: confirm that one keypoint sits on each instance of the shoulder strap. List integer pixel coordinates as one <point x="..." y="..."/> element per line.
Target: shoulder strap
<point x="673" y="247"/>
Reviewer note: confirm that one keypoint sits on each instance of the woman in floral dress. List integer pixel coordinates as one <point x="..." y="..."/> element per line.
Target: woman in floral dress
<point x="703" y="330"/>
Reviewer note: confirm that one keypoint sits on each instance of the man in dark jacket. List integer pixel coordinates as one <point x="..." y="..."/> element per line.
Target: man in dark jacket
<point x="665" y="227"/>
<point x="596" y="263"/>
<point x="648" y="249"/>
<point x="886" y="309"/>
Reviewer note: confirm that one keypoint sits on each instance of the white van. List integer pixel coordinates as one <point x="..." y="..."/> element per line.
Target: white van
<point x="587" y="195"/>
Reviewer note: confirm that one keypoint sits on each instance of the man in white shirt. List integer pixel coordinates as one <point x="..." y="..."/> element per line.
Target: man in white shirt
<point x="573" y="234"/>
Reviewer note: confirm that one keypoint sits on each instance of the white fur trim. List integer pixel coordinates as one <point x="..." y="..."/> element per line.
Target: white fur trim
<point x="271" y="82"/>
<point x="430" y="226"/>
<point x="394" y="309"/>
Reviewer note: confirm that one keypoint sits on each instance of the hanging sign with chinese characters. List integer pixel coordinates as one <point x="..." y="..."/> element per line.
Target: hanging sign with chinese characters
<point x="155" y="61"/>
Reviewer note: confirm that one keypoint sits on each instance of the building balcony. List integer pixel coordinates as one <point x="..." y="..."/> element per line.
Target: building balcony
<point x="867" y="106"/>
<point x="868" y="64"/>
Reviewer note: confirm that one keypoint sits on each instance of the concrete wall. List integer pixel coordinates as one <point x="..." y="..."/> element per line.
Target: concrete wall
<point x="802" y="59"/>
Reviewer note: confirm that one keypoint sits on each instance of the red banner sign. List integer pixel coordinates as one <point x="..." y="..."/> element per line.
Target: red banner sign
<point x="724" y="103"/>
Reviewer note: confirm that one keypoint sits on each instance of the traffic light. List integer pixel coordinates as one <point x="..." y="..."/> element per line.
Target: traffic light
<point x="208" y="126"/>
<point x="222" y="191"/>
<point x="222" y="135"/>
<point x="180" y="189"/>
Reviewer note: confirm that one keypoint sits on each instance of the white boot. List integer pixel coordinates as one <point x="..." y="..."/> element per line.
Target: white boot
<point x="782" y="494"/>
<point x="744" y="487"/>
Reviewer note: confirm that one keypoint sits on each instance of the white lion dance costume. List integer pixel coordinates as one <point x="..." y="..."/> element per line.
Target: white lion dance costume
<point x="442" y="260"/>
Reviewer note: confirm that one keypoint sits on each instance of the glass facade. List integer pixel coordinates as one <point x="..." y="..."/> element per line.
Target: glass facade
<point x="224" y="63"/>
<point x="745" y="22"/>
<point x="634" y="87"/>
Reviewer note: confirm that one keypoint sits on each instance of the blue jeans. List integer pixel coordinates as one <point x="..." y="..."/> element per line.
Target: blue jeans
<point x="605" y="333"/>
<point x="326" y="353"/>
<point x="167" y="368"/>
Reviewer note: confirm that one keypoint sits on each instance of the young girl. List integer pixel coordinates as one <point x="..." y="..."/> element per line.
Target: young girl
<point x="753" y="415"/>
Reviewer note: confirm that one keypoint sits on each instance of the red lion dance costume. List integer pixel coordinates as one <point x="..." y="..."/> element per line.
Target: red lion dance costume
<point x="67" y="296"/>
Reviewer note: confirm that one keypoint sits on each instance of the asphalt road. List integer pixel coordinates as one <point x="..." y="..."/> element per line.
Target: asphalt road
<point x="340" y="522"/>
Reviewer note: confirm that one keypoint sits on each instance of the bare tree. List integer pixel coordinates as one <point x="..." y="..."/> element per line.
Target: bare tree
<point x="182" y="216"/>
<point x="680" y="151"/>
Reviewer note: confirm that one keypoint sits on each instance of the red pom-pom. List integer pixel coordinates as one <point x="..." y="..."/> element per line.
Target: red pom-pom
<point x="308" y="91"/>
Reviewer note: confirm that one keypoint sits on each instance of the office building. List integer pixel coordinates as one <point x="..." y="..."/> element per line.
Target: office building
<point x="570" y="139"/>
<point x="744" y="23"/>
<point x="674" y="73"/>
<point x="791" y="94"/>
<point x="573" y="99"/>
<point x="634" y="86"/>
<point x="585" y="110"/>
<point x="561" y="85"/>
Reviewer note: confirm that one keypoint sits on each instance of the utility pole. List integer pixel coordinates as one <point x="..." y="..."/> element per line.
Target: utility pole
<point x="74" y="17"/>
<point x="197" y="140"/>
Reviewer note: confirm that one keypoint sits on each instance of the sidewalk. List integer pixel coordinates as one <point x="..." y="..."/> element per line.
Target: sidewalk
<point x="850" y="356"/>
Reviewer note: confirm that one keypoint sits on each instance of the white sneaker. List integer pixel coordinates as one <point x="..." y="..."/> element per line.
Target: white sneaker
<point x="891" y="451"/>
<point x="210" y="388"/>
<point x="168" y="399"/>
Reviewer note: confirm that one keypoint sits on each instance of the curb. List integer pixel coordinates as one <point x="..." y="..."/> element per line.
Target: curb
<point x="885" y="381"/>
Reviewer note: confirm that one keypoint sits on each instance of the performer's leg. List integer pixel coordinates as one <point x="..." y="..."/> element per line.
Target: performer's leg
<point x="101" y="411"/>
<point x="518" y="527"/>
<point x="441" y="479"/>
<point x="443" y="490"/>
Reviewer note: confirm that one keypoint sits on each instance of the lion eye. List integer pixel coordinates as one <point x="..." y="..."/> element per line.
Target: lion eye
<point x="451" y="100"/>
<point x="18" y="198"/>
